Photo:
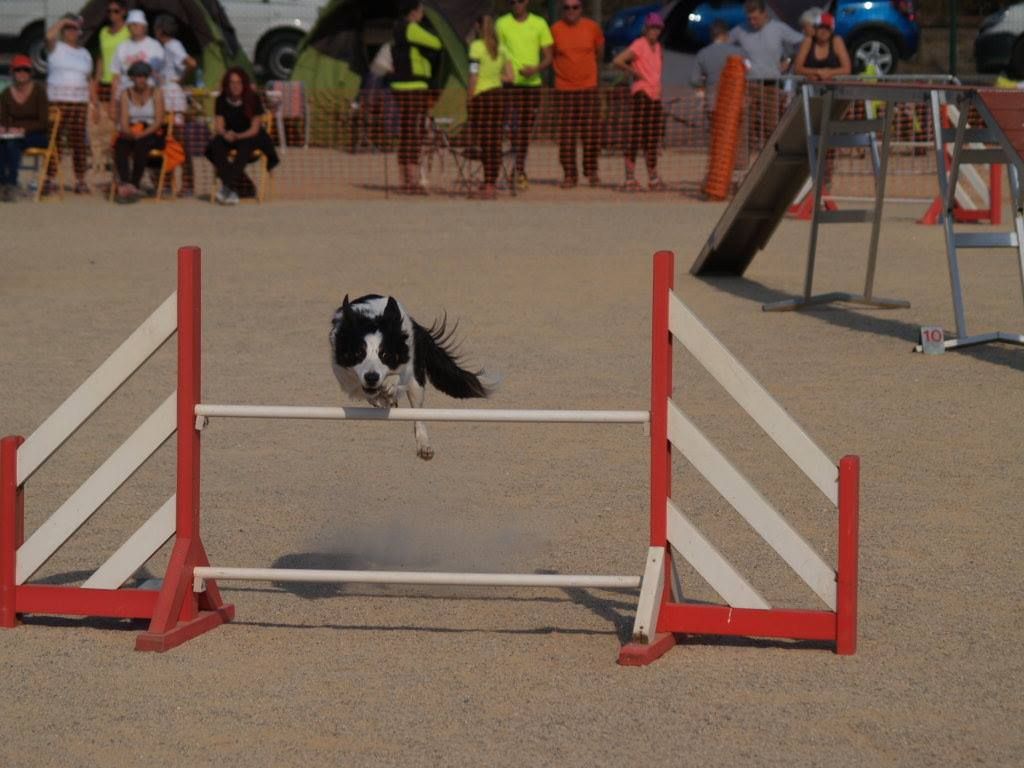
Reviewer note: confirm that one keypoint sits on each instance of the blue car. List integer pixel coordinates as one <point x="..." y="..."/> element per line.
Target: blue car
<point x="879" y="32"/>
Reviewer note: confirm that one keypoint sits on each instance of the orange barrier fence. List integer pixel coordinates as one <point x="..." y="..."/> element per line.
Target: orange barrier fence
<point x="381" y="143"/>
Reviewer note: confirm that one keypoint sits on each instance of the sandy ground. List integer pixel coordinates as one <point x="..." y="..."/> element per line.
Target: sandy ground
<point x="556" y="299"/>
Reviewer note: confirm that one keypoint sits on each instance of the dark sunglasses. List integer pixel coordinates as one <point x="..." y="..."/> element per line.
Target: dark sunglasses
<point x="572" y="7"/>
<point x="115" y="11"/>
<point x="22" y="69"/>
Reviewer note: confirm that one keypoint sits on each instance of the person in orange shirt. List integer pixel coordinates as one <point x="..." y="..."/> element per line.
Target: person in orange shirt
<point x="578" y="50"/>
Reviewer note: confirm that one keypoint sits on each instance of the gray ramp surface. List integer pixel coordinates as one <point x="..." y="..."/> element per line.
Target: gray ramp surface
<point x="767" y="190"/>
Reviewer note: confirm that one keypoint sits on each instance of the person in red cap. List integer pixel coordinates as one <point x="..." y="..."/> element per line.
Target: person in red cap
<point x="823" y="55"/>
<point x="23" y="122"/>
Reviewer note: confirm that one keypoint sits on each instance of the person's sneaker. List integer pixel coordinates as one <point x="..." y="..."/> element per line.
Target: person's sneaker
<point x="522" y="182"/>
<point x="568" y="182"/>
<point x="81" y="188"/>
<point x="222" y="195"/>
<point x="9" y="193"/>
<point x="594" y="180"/>
<point x="631" y="185"/>
<point x="231" y="198"/>
<point x="656" y="185"/>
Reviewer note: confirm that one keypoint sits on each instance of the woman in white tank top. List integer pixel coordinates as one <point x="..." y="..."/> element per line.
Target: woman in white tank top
<point x="140" y="131"/>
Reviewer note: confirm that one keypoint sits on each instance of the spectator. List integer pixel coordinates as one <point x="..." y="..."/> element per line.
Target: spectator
<point x="24" y="116"/>
<point x="237" y="128"/>
<point x="528" y="41"/>
<point x="767" y="43"/>
<point x="643" y="60"/>
<point x="140" y="130"/>
<point x="138" y="47"/>
<point x="111" y="35"/>
<point x="578" y="49"/>
<point x="711" y="61"/>
<point x="177" y="63"/>
<point x="68" y="72"/>
<point x="411" y="53"/>
<point x="824" y="55"/>
<point x="489" y="68"/>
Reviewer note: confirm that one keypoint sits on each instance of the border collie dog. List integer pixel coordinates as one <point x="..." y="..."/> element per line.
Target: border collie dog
<point x="378" y="352"/>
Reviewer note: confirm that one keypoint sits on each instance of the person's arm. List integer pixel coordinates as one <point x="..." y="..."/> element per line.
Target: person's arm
<point x="219" y="129"/>
<point x="599" y="47"/>
<point x="800" y="64"/>
<point x="700" y="73"/>
<point x="624" y="61"/>
<point x="158" y="114"/>
<point x="3" y="107"/>
<point x="53" y="33"/>
<point x="122" y="101"/>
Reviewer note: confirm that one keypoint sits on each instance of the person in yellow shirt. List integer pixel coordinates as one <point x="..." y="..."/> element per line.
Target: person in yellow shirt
<point x="111" y="35"/>
<point x="489" y="68"/>
<point x="412" y="53"/>
<point x="529" y="43"/>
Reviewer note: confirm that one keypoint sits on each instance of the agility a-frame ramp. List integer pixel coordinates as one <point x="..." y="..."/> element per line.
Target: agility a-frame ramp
<point x="188" y="602"/>
<point x="798" y="150"/>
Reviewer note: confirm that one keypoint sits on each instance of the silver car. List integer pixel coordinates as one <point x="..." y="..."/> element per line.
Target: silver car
<point x="270" y="31"/>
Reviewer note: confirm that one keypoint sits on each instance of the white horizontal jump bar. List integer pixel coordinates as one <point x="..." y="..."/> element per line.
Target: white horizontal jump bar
<point x="421" y="414"/>
<point x="413" y="577"/>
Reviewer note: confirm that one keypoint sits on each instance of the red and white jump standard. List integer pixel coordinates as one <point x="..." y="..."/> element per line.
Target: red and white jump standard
<point x="189" y="602"/>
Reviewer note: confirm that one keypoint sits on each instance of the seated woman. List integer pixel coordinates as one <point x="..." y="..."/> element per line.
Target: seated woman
<point x="238" y="133"/>
<point x="24" y="111"/>
<point x="140" y="130"/>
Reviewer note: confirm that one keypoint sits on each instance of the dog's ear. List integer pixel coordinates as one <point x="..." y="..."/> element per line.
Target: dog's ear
<point x="343" y="314"/>
<point x="392" y="312"/>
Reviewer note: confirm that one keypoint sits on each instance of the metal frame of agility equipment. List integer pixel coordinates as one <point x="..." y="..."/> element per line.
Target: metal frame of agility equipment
<point x="188" y="602"/>
<point x="778" y="172"/>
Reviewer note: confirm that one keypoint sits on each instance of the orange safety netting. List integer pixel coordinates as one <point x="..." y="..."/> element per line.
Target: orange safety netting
<point x="546" y="142"/>
<point x="725" y="128"/>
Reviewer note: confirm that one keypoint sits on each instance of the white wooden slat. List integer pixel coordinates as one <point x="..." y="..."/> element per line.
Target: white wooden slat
<point x="95" y="390"/>
<point x="139" y="547"/>
<point x="709" y="562"/>
<point x="79" y="507"/>
<point x="751" y="505"/>
<point x="645" y="625"/>
<point x="753" y="398"/>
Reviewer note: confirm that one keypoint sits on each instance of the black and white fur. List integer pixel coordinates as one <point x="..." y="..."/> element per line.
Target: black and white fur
<point x="378" y="352"/>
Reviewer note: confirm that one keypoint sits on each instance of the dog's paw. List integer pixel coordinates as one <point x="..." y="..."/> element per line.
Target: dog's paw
<point x="425" y="452"/>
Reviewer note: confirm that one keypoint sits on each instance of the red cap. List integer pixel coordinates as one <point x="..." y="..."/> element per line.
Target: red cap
<point x="826" y="20"/>
<point x="20" y="61"/>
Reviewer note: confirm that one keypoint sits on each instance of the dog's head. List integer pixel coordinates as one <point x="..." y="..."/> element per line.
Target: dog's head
<point x="368" y="338"/>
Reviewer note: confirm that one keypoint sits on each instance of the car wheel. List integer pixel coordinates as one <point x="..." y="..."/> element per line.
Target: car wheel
<point x="33" y="43"/>
<point x="875" y="48"/>
<point x="277" y="54"/>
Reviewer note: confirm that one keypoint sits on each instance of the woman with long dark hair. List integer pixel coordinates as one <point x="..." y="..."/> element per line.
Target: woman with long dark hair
<point x="489" y="68"/>
<point x="237" y="125"/>
<point x="411" y="54"/>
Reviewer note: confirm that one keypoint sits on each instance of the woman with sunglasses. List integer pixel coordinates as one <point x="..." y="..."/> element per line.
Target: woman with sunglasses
<point x="24" y="112"/>
<point x="140" y="130"/>
<point x="112" y="34"/>
<point x="69" y="87"/>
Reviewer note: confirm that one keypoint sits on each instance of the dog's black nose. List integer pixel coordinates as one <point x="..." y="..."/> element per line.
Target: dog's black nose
<point x="372" y="379"/>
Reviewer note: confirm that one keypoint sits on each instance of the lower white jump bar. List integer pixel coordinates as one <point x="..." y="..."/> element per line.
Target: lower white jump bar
<point x="412" y="577"/>
<point x="421" y="414"/>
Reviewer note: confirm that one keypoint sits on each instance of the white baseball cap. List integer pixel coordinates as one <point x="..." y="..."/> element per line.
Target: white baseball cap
<point x="136" y="16"/>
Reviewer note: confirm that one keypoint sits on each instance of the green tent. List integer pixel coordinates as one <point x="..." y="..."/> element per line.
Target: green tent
<point x="335" y="57"/>
<point x="204" y="30"/>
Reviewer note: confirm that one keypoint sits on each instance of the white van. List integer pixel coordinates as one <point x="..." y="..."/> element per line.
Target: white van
<point x="268" y="30"/>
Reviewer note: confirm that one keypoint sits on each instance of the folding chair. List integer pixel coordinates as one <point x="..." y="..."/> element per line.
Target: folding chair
<point x="266" y="180"/>
<point x="154" y="154"/>
<point x="43" y="156"/>
<point x="467" y="156"/>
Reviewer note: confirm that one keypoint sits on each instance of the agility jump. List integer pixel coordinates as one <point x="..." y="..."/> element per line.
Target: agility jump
<point x="189" y="603"/>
